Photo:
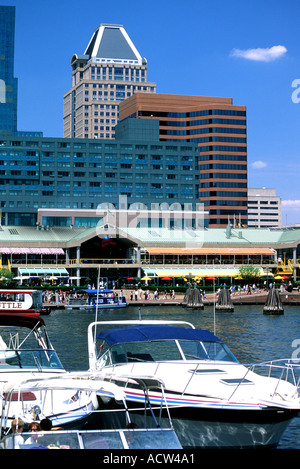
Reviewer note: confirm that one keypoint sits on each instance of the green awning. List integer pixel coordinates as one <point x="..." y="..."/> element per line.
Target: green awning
<point x="43" y="272"/>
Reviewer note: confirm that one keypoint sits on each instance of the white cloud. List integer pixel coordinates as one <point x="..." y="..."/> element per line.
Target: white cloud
<point x="258" y="164"/>
<point x="294" y="204"/>
<point x="263" y="55"/>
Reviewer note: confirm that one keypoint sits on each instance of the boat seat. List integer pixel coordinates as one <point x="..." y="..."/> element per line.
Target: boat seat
<point x="119" y="357"/>
<point x="137" y="357"/>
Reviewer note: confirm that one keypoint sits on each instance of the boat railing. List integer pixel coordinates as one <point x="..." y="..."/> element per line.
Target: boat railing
<point x="284" y="369"/>
<point x="287" y="370"/>
<point x="133" y="438"/>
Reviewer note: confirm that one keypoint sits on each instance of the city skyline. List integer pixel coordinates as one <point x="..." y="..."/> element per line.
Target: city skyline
<point x="248" y="52"/>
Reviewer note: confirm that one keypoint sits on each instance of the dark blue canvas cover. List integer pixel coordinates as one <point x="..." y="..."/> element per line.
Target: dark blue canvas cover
<point x="150" y="333"/>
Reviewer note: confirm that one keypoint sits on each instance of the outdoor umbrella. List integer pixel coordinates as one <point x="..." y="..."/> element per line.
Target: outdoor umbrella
<point x="166" y="278"/>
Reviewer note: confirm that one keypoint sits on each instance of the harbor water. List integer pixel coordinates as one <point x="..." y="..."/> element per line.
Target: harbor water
<point x="251" y="335"/>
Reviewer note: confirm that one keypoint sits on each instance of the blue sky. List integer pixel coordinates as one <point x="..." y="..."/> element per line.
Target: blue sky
<point x="246" y="50"/>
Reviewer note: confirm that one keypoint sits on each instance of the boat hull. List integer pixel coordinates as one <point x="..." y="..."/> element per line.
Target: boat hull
<point x="201" y="428"/>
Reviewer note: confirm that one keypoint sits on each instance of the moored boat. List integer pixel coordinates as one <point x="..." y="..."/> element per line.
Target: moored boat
<point x="27" y="353"/>
<point x="214" y="400"/>
<point x="17" y="301"/>
<point x="90" y="299"/>
<point x="117" y="433"/>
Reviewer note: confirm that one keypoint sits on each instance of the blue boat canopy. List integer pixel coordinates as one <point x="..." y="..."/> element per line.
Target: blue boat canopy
<point x="150" y="333"/>
<point x="94" y="291"/>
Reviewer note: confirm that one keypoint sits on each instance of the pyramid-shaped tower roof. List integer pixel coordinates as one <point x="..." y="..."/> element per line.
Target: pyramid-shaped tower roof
<point x="110" y="42"/>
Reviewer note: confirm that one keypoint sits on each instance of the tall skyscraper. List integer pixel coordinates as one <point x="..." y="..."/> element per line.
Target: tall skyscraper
<point x="8" y="83"/>
<point x="110" y="70"/>
<point x="219" y="128"/>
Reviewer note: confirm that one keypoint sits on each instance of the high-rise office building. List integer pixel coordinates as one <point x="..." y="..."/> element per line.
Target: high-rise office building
<point x="80" y="174"/>
<point x="110" y="70"/>
<point x="219" y="129"/>
<point x="8" y="83"/>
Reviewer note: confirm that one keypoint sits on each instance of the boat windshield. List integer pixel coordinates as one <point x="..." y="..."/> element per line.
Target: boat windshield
<point x="195" y="350"/>
<point x="29" y="359"/>
<point x="149" y="438"/>
<point x="166" y="350"/>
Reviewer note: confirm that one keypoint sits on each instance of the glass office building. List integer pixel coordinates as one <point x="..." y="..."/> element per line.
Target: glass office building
<point x="80" y="174"/>
<point x="8" y="83"/>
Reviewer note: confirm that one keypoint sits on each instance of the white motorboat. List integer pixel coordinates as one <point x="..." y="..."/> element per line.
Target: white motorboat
<point x="92" y="299"/>
<point x="214" y="400"/>
<point x="26" y="353"/>
<point x="107" y="436"/>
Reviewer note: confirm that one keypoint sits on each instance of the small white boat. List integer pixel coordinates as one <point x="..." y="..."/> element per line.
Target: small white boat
<point x="26" y="353"/>
<point x="22" y="302"/>
<point x="100" y="299"/>
<point x="214" y="400"/>
<point x="106" y="436"/>
<point x="67" y="406"/>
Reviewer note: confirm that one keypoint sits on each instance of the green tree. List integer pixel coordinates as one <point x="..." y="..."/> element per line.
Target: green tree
<point x="248" y="273"/>
<point x="6" y="277"/>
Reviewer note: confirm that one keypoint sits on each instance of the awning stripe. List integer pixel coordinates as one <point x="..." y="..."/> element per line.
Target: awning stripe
<point x="12" y="250"/>
<point x="211" y="251"/>
<point x="36" y="272"/>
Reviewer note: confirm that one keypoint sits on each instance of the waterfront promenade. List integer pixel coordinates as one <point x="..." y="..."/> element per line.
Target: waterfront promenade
<point x="243" y="298"/>
<point x="258" y="298"/>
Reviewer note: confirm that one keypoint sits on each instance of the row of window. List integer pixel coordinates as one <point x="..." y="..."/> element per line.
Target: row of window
<point x="227" y="212"/>
<point x="79" y="185"/>
<point x="223" y="166"/>
<point x="203" y="122"/>
<point x="263" y="202"/>
<point x="82" y="145"/>
<point x="235" y="203"/>
<point x="108" y="193"/>
<point x="223" y="184"/>
<point x="203" y="130"/>
<point x="223" y="157"/>
<point x="206" y="112"/>
<point x="204" y="139"/>
<point x="262" y="220"/>
<point x="241" y="149"/>
<point x="222" y="194"/>
<point x="223" y="176"/>
<point x="118" y="73"/>
<point x="264" y="214"/>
